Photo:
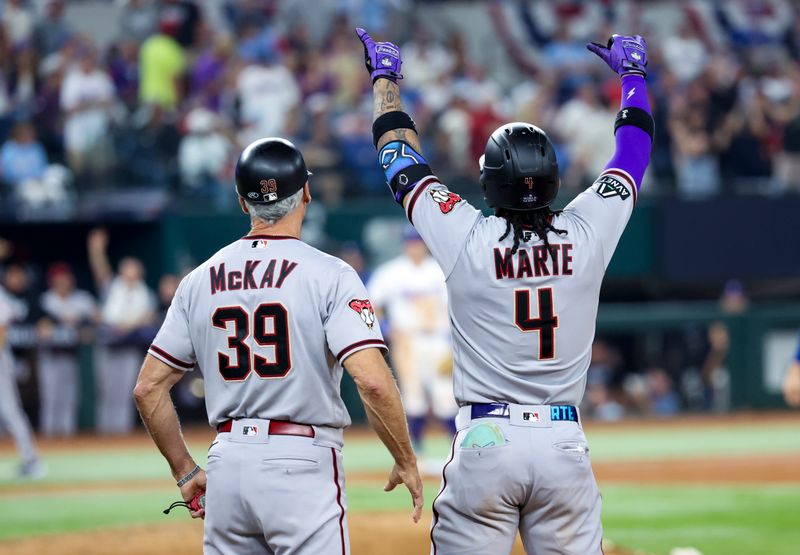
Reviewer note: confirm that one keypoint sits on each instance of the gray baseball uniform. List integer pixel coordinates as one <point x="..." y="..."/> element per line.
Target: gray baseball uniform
<point x="523" y="325"/>
<point x="12" y="418"/>
<point x="269" y="321"/>
<point x="58" y="364"/>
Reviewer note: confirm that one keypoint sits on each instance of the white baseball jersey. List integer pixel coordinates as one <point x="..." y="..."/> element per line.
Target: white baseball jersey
<point x="522" y="324"/>
<point x="413" y="295"/>
<point x="269" y="321"/>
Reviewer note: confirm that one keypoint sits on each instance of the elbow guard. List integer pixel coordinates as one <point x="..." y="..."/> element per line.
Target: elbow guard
<point x="403" y="166"/>
<point x="636" y="117"/>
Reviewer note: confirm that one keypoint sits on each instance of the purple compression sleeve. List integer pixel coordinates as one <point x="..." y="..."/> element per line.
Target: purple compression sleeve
<point x="633" y="144"/>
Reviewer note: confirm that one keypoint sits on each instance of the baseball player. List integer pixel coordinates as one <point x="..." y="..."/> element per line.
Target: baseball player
<point x="410" y="291"/>
<point x="12" y="417"/>
<point x="523" y="289"/>
<point x="270" y="322"/>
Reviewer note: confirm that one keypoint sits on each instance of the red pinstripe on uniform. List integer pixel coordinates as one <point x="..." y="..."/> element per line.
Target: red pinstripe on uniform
<point x="444" y="485"/>
<point x="367" y="342"/>
<point x="338" y="498"/>
<point x="625" y="178"/>
<point x="161" y="353"/>
<point x="423" y="184"/>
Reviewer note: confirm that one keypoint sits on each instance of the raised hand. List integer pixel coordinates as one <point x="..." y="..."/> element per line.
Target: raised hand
<point x="381" y="58"/>
<point x="624" y="54"/>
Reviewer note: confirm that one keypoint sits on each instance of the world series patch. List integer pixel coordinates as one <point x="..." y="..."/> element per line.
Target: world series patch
<point x="608" y="186"/>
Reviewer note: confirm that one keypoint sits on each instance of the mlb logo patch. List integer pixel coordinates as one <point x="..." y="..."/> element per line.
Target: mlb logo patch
<point x="530" y="416"/>
<point x="249" y="430"/>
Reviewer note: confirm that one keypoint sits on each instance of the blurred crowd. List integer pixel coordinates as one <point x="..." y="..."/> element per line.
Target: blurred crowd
<point x="176" y="88"/>
<point x="52" y="322"/>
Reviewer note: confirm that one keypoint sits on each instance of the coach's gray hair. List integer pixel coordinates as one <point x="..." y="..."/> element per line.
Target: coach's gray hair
<point x="271" y="213"/>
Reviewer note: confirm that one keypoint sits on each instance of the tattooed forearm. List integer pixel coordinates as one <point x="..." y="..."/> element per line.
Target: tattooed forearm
<point x="387" y="99"/>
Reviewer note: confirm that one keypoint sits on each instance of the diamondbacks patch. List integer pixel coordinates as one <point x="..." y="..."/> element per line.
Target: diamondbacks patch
<point x="447" y="200"/>
<point x="608" y="186"/>
<point x="364" y="309"/>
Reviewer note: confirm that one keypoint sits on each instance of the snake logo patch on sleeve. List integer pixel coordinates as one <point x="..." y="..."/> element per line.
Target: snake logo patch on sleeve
<point x="446" y="200"/>
<point x="608" y="186"/>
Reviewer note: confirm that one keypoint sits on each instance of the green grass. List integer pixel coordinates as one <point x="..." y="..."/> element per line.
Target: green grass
<point x="740" y="520"/>
<point x="725" y="520"/>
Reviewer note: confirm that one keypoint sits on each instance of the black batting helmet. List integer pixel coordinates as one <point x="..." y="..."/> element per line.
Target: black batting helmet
<point x="270" y="170"/>
<point x="519" y="170"/>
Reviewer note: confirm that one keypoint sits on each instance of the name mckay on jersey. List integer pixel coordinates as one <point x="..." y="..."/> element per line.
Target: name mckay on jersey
<point x="252" y="276"/>
<point x="533" y="261"/>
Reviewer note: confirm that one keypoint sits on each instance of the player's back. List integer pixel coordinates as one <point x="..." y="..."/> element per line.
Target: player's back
<point x="268" y="320"/>
<point x="523" y="322"/>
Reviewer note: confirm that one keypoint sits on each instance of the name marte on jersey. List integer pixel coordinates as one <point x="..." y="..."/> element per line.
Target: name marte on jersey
<point x="533" y="262"/>
<point x="251" y="277"/>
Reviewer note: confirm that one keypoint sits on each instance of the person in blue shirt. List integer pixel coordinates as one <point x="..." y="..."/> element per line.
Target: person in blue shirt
<point x="22" y="157"/>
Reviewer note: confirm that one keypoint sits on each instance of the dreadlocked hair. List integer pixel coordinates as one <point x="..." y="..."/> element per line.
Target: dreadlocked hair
<point x="539" y="222"/>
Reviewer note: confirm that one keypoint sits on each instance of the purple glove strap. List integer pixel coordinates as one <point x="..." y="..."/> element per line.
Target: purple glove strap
<point x="633" y="144"/>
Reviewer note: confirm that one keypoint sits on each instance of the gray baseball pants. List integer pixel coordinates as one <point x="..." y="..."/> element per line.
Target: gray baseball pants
<point x="116" y="370"/>
<point x="274" y="494"/>
<point x="12" y="418"/>
<point x="58" y="392"/>
<point x="508" y="474"/>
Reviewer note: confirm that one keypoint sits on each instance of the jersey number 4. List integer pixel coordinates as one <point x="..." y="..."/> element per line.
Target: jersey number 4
<point x="274" y="336"/>
<point x="546" y="323"/>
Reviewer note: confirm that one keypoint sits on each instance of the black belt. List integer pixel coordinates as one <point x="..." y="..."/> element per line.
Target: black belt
<point x="558" y="413"/>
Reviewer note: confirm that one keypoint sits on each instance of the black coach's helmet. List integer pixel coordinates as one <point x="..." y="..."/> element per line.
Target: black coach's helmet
<point x="519" y="170"/>
<point x="270" y="170"/>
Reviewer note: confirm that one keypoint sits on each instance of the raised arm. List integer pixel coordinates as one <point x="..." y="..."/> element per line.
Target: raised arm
<point x="393" y="131"/>
<point x="634" y="126"/>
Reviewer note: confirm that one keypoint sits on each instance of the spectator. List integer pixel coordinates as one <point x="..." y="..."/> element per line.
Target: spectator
<point x="696" y="169"/>
<point x="205" y="155"/>
<point x="138" y="19"/>
<point x="52" y="31"/>
<point x="18" y="22"/>
<point x="126" y="317"/>
<point x="664" y="401"/>
<point x="186" y="17"/>
<point x="22" y="157"/>
<point x="87" y="95"/>
<point x="685" y="54"/>
<point x="162" y="62"/>
<point x="66" y="313"/>
<point x="268" y="96"/>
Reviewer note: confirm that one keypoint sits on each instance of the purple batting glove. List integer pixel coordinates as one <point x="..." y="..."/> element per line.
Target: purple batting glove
<point x="623" y="54"/>
<point x="381" y="58"/>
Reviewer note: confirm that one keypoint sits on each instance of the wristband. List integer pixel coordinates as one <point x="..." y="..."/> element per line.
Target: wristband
<point x="192" y="473"/>
<point x="636" y="117"/>
<point x="389" y="122"/>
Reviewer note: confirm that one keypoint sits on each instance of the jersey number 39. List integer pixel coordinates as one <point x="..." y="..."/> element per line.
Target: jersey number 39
<point x="546" y="323"/>
<point x="245" y="360"/>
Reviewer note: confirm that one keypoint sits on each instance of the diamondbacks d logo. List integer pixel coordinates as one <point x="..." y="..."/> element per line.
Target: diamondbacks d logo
<point x="269" y="189"/>
<point x="608" y="186"/>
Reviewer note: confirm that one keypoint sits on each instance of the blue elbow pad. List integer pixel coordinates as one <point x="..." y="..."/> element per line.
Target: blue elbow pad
<point x="403" y="166"/>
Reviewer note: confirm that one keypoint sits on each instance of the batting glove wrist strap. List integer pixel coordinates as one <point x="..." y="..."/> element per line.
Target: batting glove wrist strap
<point x="636" y="117"/>
<point x="389" y="122"/>
<point x="192" y="473"/>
